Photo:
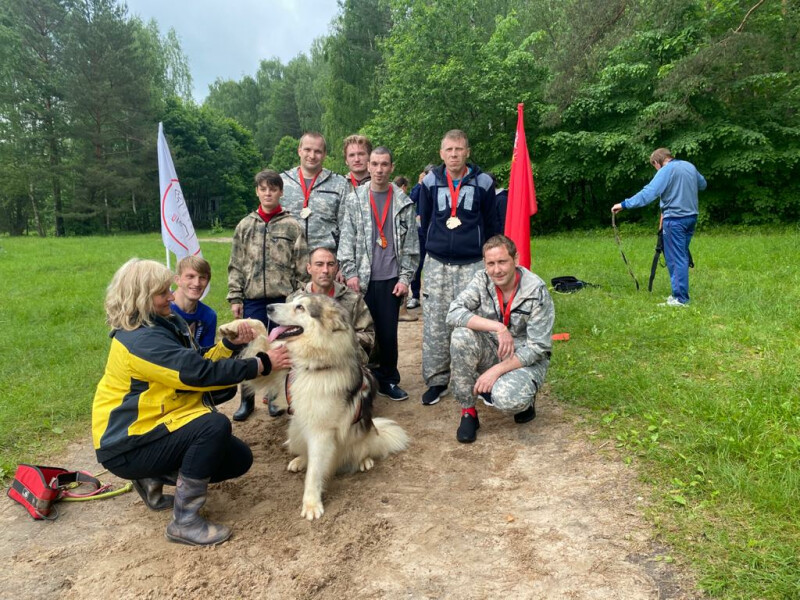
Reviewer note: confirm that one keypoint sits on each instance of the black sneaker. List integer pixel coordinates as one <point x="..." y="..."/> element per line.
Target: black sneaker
<point x="487" y="399"/>
<point x="433" y="394"/>
<point x="529" y="414"/>
<point x="468" y="429"/>
<point x="393" y="392"/>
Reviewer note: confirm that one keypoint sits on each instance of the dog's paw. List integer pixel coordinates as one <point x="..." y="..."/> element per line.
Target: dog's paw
<point x="366" y="464"/>
<point x="297" y="464"/>
<point x="312" y="509"/>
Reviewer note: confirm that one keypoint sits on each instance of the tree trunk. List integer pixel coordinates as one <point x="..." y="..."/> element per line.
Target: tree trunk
<point x="36" y="218"/>
<point x="55" y="159"/>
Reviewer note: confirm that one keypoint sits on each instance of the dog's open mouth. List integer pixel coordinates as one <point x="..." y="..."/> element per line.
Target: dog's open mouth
<point x="284" y="331"/>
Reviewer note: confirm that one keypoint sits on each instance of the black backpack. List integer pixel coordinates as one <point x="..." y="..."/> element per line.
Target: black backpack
<point x="569" y="284"/>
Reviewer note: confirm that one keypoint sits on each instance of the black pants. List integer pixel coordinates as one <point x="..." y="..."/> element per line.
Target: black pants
<point x="385" y="310"/>
<point x="202" y="448"/>
<point x="416" y="282"/>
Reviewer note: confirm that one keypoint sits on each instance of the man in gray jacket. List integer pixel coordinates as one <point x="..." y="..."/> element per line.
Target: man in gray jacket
<point x="500" y="347"/>
<point x="315" y="196"/>
<point x="378" y="255"/>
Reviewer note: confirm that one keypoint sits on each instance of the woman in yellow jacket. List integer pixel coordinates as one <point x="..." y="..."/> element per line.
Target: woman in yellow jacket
<point x="152" y="421"/>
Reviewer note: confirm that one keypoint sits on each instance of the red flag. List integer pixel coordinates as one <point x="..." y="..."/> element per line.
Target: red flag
<point x="521" y="196"/>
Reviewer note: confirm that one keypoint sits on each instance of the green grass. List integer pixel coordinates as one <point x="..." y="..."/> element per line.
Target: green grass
<point x="704" y="400"/>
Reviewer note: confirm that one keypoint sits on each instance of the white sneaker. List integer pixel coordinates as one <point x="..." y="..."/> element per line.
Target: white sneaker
<point x="672" y="301"/>
<point x="412" y="303"/>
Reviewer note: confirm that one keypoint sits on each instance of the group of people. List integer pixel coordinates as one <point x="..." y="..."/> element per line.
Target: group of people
<point x="487" y="320"/>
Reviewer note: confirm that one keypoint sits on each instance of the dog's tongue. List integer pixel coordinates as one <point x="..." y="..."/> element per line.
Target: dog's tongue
<point x="273" y="335"/>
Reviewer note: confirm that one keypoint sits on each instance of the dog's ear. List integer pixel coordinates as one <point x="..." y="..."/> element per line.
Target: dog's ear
<point x="314" y="307"/>
<point x="340" y="320"/>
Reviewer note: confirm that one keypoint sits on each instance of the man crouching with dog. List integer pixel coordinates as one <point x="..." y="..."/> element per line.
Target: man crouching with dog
<point x="500" y="347"/>
<point x="322" y="267"/>
<point x="152" y="421"/>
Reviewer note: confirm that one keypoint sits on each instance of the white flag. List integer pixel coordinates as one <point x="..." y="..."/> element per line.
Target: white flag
<point x="177" y="230"/>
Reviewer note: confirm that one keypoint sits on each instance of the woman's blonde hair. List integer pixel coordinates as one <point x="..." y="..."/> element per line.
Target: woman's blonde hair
<point x="129" y="297"/>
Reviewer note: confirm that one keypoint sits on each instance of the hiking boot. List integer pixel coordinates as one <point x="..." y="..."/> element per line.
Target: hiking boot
<point x="150" y="489"/>
<point x="247" y="406"/>
<point x="468" y="429"/>
<point x="433" y="394"/>
<point x="487" y="398"/>
<point x="392" y="391"/>
<point x="412" y="303"/>
<point x="187" y="526"/>
<point x="529" y="414"/>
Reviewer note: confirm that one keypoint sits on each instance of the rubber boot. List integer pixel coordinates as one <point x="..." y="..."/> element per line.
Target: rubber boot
<point x="187" y="526"/>
<point x="150" y="489"/>
<point x="247" y="406"/>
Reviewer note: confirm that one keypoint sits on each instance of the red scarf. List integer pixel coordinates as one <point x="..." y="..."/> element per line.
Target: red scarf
<point x="270" y="214"/>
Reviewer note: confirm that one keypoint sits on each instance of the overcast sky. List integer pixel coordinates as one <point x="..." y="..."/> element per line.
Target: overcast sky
<point x="229" y="39"/>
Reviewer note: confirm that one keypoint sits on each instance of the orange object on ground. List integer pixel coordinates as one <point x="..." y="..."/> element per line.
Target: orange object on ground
<point x="560" y="337"/>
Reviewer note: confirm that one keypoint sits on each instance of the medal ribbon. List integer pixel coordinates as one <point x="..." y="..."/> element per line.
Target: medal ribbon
<point x="454" y="192"/>
<point x="380" y="222"/>
<point x="506" y="308"/>
<point x="354" y="181"/>
<point x="306" y="192"/>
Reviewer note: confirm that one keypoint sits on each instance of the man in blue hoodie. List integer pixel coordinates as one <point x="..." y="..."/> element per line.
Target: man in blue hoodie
<point x="457" y="215"/>
<point x="676" y="182"/>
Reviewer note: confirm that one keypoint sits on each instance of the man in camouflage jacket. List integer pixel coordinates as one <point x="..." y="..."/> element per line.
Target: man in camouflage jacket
<point x="323" y="267"/>
<point x="502" y="342"/>
<point x="378" y="253"/>
<point x="315" y="196"/>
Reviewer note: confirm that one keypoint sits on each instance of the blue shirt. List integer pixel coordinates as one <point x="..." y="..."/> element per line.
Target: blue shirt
<point x="677" y="183"/>
<point x="203" y="322"/>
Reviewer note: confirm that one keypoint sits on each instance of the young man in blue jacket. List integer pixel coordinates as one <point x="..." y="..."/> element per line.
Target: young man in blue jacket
<point x="457" y="215"/>
<point x="676" y="182"/>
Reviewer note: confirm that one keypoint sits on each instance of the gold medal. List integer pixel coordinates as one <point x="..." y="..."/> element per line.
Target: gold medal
<point x="382" y="242"/>
<point x="453" y="222"/>
<point x="305" y="213"/>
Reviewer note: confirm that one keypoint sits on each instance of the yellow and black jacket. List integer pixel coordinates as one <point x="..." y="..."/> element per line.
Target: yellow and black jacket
<point x="154" y="383"/>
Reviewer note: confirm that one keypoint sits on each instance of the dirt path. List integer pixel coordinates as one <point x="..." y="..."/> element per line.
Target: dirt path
<point x="532" y="511"/>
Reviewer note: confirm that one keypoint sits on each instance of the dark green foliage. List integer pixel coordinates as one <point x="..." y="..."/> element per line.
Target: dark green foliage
<point x="603" y="83"/>
<point x="215" y="158"/>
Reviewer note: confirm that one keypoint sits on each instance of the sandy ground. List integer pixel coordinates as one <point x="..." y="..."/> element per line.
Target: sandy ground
<point x="528" y="511"/>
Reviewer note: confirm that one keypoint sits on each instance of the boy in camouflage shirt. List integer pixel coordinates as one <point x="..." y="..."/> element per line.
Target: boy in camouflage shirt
<point x="268" y="261"/>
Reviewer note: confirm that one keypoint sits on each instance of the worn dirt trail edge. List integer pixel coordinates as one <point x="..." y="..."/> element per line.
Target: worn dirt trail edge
<point x="532" y="511"/>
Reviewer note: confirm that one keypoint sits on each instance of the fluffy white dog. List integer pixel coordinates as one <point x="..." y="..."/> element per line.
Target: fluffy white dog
<point x="327" y="393"/>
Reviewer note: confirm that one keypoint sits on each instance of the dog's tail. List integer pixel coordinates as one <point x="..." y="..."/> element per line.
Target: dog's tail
<point x="390" y="437"/>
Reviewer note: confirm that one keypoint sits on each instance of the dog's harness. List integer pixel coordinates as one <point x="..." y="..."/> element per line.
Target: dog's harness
<point x="287" y="386"/>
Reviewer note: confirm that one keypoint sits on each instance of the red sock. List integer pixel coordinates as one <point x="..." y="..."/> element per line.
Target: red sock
<point x="469" y="411"/>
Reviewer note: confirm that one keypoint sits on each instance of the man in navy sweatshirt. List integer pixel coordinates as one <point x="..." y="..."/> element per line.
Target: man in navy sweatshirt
<point x="457" y="215"/>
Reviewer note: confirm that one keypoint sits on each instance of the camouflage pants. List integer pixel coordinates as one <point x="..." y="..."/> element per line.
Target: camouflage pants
<point x="474" y="352"/>
<point x="441" y="284"/>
